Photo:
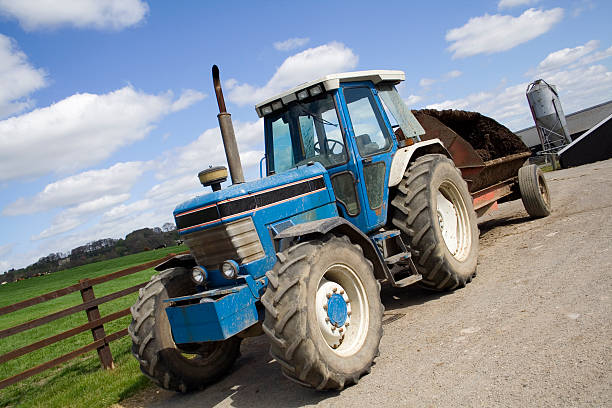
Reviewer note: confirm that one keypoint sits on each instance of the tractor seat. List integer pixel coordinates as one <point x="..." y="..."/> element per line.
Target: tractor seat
<point x="365" y="145"/>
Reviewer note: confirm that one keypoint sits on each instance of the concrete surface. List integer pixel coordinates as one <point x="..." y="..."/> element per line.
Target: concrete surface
<point x="533" y="328"/>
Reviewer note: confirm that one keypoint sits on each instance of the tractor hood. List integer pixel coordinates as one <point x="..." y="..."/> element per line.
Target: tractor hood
<point x="238" y="200"/>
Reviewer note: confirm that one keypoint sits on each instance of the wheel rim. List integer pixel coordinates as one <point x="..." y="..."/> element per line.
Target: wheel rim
<point x="454" y="220"/>
<point x="543" y="190"/>
<point x="342" y="310"/>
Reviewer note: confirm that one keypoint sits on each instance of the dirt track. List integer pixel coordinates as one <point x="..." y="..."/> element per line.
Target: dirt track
<point x="533" y="328"/>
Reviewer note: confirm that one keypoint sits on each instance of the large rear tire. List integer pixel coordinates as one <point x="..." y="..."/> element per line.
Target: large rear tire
<point x="433" y="209"/>
<point x="534" y="191"/>
<point x="323" y="313"/>
<point x="152" y="344"/>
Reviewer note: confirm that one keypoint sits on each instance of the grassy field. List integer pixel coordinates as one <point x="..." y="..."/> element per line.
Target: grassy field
<point x="80" y="382"/>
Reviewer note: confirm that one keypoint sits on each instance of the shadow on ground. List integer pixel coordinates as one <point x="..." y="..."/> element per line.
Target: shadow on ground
<point x="257" y="381"/>
<point x="486" y="226"/>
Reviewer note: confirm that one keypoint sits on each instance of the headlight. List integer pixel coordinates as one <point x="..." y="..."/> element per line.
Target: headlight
<point x="198" y="275"/>
<point x="229" y="269"/>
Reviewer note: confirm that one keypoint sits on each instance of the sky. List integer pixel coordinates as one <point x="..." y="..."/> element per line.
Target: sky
<point x="107" y="111"/>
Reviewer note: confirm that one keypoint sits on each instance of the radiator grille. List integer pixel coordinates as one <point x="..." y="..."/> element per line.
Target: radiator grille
<point x="237" y="240"/>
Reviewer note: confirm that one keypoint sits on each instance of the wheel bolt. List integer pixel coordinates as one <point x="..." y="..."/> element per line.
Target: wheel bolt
<point x="341" y="292"/>
<point x="346" y="324"/>
<point x="333" y="328"/>
<point x="327" y="320"/>
<point x="349" y="313"/>
<point x="328" y="295"/>
<point x="335" y="346"/>
<point x="341" y="330"/>
<point x="325" y="306"/>
<point x="334" y="290"/>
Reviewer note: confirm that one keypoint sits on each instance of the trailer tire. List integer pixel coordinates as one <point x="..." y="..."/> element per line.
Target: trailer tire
<point x="313" y="285"/>
<point x="152" y="344"/>
<point x="534" y="191"/>
<point x="433" y="209"/>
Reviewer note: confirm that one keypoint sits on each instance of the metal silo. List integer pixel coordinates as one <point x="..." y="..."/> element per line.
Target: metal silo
<point x="548" y="116"/>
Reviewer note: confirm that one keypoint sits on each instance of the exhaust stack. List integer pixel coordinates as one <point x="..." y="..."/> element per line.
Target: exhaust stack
<point x="227" y="132"/>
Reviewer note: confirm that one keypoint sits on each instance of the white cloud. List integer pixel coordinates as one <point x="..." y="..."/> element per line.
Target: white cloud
<point x="567" y="56"/>
<point x="100" y="14"/>
<point x="188" y="159"/>
<point x="579" y="88"/>
<point x="187" y="98"/>
<point x="291" y="44"/>
<point x="81" y="130"/>
<point x="6" y="249"/>
<point x="75" y="216"/>
<point x="453" y="74"/>
<point x="80" y="189"/>
<point x="299" y="68"/>
<point x="124" y="210"/>
<point x="412" y="100"/>
<point x="427" y="82"/>
<point x="18" y="78"/>
<point x="514" y="3"/>
<point x="598" y="56"/>
<point x="489" y="34"/>
<point x="582" y="6"/>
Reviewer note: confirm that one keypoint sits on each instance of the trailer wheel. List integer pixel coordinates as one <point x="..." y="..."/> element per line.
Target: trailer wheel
<point x="152" y="344"/>
<point x="323" y="313"/>
<point x="433" y="209"/>
<point x="534" y="191"/>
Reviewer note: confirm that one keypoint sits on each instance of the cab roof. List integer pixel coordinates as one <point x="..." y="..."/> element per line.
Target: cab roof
<point x="333" y="81"/>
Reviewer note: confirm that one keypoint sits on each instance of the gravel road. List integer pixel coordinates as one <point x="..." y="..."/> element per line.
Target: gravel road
<point x="533" y="328"/>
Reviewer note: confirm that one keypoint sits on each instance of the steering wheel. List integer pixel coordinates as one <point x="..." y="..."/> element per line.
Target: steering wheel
<point x="331" y="145"/>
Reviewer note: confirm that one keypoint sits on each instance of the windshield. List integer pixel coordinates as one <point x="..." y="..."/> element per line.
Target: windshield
<point x="304" y="132"/>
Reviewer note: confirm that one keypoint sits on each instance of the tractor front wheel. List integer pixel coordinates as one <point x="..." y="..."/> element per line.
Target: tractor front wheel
<point x="160" y="358"/>
<point x="323" y="313"/>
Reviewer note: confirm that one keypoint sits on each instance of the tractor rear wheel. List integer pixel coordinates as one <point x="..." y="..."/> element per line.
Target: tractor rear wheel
<point x="160" y="358"/>
<point x="433" y="209"/>
<point x="534" y="191"/>
<point x="323" y="313"/>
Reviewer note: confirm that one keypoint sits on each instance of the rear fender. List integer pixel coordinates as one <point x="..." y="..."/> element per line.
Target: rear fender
<point x="340" y="226"/>
<point x="406" y="155"/>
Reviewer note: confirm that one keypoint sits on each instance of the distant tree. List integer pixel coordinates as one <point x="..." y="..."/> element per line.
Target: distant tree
<point x="168" y="227"/>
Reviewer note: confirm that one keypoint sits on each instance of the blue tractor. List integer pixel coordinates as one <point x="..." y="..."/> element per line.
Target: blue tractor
<point x="352" y="198"/>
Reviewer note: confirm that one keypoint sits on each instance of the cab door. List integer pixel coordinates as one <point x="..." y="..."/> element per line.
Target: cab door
<point x="370" y="136"/>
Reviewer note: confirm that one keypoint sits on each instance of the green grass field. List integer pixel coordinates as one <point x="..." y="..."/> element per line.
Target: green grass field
<point x="80" y="382"/>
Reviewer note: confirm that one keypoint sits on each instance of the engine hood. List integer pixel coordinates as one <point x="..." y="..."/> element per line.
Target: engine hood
<point x="239" y="199"/>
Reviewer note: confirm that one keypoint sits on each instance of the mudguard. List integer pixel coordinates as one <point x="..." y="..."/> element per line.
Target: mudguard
<point x="338" y="225"/>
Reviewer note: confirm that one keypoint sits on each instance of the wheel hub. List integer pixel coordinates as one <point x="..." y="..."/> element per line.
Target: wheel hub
<point x="336" y="310"/>
<point x="333" y="312"/>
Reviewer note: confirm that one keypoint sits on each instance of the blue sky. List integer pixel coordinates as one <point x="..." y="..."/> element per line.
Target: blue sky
<point x="106" y="112"/>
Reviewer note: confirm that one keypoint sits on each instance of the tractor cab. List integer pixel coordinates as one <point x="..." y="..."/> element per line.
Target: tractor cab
<point x="346" y="122"/>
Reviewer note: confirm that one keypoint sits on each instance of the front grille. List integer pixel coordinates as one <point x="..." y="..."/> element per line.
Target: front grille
<point x="237" y="240"/>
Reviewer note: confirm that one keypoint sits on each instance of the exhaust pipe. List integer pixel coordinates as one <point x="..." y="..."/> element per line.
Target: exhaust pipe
<point x="227" y="132"/>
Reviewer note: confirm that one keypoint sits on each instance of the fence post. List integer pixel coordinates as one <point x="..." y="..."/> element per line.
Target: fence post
<point x="93" y="313"/>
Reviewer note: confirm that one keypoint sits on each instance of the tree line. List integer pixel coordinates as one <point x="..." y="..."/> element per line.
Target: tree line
<point x="136" y="241"/>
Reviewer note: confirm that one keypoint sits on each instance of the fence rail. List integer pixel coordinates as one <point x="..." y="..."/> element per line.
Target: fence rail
<point x="95" y="322"/>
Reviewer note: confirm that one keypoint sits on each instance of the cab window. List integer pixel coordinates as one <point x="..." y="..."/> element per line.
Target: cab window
<point x="371" y="133"/>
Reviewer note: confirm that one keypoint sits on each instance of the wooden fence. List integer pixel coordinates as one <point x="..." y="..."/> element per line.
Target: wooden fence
<point x="95" y="322"/>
